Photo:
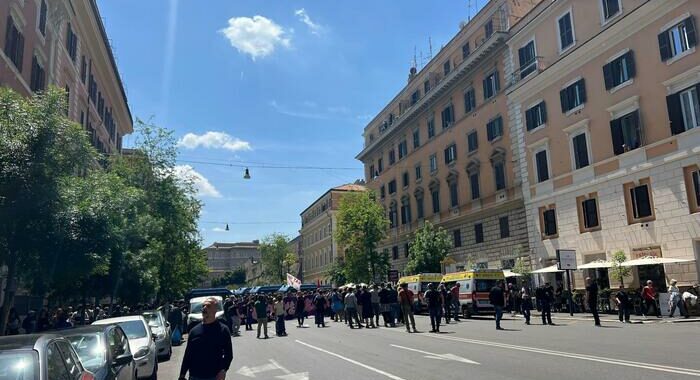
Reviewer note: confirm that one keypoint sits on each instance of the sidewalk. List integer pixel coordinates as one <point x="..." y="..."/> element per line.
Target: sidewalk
<point x="536" y="317"/>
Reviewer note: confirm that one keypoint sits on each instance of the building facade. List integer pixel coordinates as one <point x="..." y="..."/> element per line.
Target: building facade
<point x="442" y="150"/>
<point x="319" y="249"/>
<point x="225" y="257"/>
<point x="603" y="107"/>
<point x="63" y="43"/>
<point x="295" y="249"/>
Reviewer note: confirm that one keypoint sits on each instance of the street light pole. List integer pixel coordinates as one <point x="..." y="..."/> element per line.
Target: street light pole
<point x="568" y="285"/>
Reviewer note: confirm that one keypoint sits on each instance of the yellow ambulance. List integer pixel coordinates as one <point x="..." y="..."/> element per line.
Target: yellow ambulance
<point x="418" y="284"/>
<point x="474" y="288"/>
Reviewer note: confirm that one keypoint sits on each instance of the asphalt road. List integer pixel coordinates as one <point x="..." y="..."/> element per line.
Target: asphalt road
<point x="468" y="349"/>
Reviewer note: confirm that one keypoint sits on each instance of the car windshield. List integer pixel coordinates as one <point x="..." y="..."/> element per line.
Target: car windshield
<point x="196" y="307"/>
<point x="19" y="365"/>
<point x="91" y="350"/>
<point x="152" y="319"/>
<point x="133" y="329"/>
<point x="485" y="285"/>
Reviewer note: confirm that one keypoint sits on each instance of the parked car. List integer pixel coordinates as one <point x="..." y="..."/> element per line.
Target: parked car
<point x="40" y="357"/>
<point x="141" y="342"/>
<point x="161" y="329"/>
<point x="195" y="314"/>
<point x="104" y="351"/>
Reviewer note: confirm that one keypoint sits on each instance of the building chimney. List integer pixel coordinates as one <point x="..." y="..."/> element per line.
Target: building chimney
<point x="412" y="73"/>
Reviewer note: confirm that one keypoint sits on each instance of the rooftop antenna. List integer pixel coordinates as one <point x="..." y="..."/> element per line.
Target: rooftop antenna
<point x="471" y="5"/>
<point x="430" y="46"/>
<point x="415" y="63"/>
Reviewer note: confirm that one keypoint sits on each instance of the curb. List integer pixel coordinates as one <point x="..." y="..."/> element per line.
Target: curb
<point x="633" y="321"/>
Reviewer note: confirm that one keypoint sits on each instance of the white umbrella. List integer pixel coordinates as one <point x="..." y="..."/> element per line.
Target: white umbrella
<point x="507" y="273"/>
<point x="549" y="269"/>
<point x="651" y="260"/>
<point x="596" y="264"/>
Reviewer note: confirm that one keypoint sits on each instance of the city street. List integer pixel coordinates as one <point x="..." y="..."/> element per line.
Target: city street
<point x="468" y="349"/>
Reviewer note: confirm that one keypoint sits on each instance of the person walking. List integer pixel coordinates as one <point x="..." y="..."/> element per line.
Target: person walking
<point x="525" y="302"/>
<point x="434" y="300"/>
<point x="319" y="309"/>
<point x="497" y="299"/>
<point x="385" y="307"/>
<point x="454" y="298"/>
<point x="406" y="304"/>
<point x="446" y="303"/>
<point x="374" y="299"/>
<point x="299" y="310"/>
<point x="649" y="298"/>
<point x="546" y="304"/>
<point x="622" y="300"/>
<point x="208" y="354"/>
<point x="351" y="309"/>
<point x="280" y="329"/>
<point x="261" y="314"/>
<point x="394" y="308"/>
<point x="592" y="299"/>
<point x="675" y="300"/>
<point x="366" y="306"/>
<point x="336" y="306"/>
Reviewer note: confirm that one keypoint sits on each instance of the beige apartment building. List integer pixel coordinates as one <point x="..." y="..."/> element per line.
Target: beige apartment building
<point x="225" y="257"/>
<point x="63" y="43"/>
<point x="319" y="249"/>
<point x="442" y="149"/>
<point x="603" y="111"/>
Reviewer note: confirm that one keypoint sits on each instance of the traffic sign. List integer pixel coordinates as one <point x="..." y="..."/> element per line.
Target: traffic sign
<point x="566" y="259"/>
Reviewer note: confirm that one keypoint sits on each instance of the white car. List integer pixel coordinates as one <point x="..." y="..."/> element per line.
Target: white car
<point x="160" y="328"/>
<point x="141" y="342"/>
<point x="195" y="314"/>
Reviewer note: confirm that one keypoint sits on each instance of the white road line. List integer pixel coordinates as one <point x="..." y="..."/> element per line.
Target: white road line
<point x="599" y="359"/>
<point x="437" y="356"/>
<point x="376" y="370"/>
<point x="279" y="367"/>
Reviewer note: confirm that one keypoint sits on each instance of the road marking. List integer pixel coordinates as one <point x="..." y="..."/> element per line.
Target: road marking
<point x="288" y="375"/>
<point x="431" y="355"/>
<point x="252" y="371"/>
<point x="376" y="370"/>
<point x="599" y="359"/>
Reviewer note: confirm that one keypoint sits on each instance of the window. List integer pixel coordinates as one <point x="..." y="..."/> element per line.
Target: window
<point x="573" y="96"/>
<point x="472" y="141"/>
<point x="395" y="252"/>
<point x="536" y="116"/>
<point x="474" y="182"/>
<point x="380" y="165"/>
<point x="457" y="238"/>
<point x="392" y="156"/>
<point x="56" y="367"/>
<point x="391" y="118"/>
<point x="405" y="179"/>
<point x="626" y="133"/>
<point x="494" y="128"/>
<point x="426" y="86"/>
<point x="419" y="206"/>
<point x="403" y="149"/>
<point x="566" y="31"/>
<point x="392" y="215"/>
<point x="469" y="100"/>
<point x="549" y="222"/>
<point x="491" y="85"/>
<point x="71" y="42"/>
<point x="610" y="8"/>
<point x="14" y="44"/>
<point x="619" y="71"/>
<point x="465" y="50"/>
<point x="450" y="154"/>
<point x="478" y="233"/>
<point x="416" y="138"/>
<point x="431" y="127"/>
<point x="488" y="29"/>
<point x="589" y="213"/>
<point x="435" y="195"/>
<point x="382" y="192"/>
<point x="580" y="150"/>
<point x="448" y="117"/>
<point x="415" y="96"/>
<point x="392" y="186"/>
<point x="677" y="39"/>
<point x="372" y="173"/>
<point x="499" y="173"/>
<point x="542" y="166"/>
<point x="684" y="110"/>
<point x="405" y="211"/>
<point x="433" y="163"/>
<point x="446" y="67"/>
<point x="527" y="59"/>
<point x="454" y="194"/>
<point x="42" y="17"/>
<point x="419" y="175"/>
<point x="406" y="250"/>
<point x="692" y="186"/>
<point x="504" y="227"/>
<point x="83" y="70"/>
<point x="38" y="79"/>
<point x="640" y="201"/>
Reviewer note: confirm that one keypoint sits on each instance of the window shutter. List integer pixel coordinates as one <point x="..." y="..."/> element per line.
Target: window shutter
<point x="608" y="76"/>
<point x="582" y="86"/>
<point x="521" y="57"/>
<point x="543" y="110"/>
<point x="542" y="170"/>
<point x="617" y="138"/>
<point x="664" y="46"/>
<point x="497" y="82"/>
<point x="447" y="155"/>
<point x="690" y="31"/>
<point x="486" y="88"/>
<point x="20" y="51"/>
<point x="642" y="197"/>
<point x="631" y="67"/>
<point x="8" y="34"/>
<point x="563" y="95"/>
<point x="529" y="123"/>
<point x="675" y="114"/>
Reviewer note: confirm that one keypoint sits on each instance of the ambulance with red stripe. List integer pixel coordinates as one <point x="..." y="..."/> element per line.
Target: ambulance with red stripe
<point x="474" y="288"/>
<point x="418" y="284"/>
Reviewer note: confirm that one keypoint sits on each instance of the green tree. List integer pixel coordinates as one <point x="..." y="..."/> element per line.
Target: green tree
<point x="428" y="249"/>
<point x="275" y="250"/>
<point x="234" y="277"/>
<point x="39" y="149"/>
<point x="361" y="225"/>
<point x="617" y="271"/>
<point x="336" y="273"/>
<point x="522" y="268"/>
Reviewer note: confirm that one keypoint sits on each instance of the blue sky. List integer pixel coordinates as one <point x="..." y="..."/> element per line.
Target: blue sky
<point x="289" y="83"/>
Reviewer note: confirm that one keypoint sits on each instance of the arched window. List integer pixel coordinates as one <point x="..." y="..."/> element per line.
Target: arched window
<point x="405" y="210"/>
<point x="418" y="194"/>
<point x="473" y="172"/>
<point x="392" y="214"/>
<point x="498" y="162"/>
<point x="435" y="196"/>
<point x="453" y="188"/>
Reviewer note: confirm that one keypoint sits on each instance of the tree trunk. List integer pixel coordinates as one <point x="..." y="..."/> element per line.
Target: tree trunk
<point x="10" y="289"/>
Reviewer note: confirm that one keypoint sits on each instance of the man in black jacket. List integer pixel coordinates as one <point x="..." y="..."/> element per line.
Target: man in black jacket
<point x="209" y="353"/>
<point x="497" y="299"/>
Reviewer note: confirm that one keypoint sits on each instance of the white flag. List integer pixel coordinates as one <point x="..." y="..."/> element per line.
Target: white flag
<point x="293" y="282"/>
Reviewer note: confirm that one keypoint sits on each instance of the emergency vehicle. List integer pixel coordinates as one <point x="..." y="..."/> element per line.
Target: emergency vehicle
<point x="419" y="284"/>
<point x="474" y="288"/>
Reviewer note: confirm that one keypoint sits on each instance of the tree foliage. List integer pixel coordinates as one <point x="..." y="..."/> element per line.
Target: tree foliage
<point x="275" y="253"/>
<point x="428" y="249"/>
<point x="361" y="225"/>
<point x="234" y="277"/>
<point x="617" y="271"/>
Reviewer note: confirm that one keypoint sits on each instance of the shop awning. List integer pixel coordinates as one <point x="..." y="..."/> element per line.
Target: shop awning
<point x="596" y="264"/>
<point x="549" y="269"/>
<point x="652" y="260"/>
<point x="507" y="273"/>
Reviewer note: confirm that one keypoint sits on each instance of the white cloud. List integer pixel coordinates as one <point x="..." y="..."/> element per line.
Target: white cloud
<point x="257" y="36"/>
<point x="213" y="140"/>
<point x="218" y="229"/>
<point x="201" y="184"/>
<point x="304" y="17"/>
